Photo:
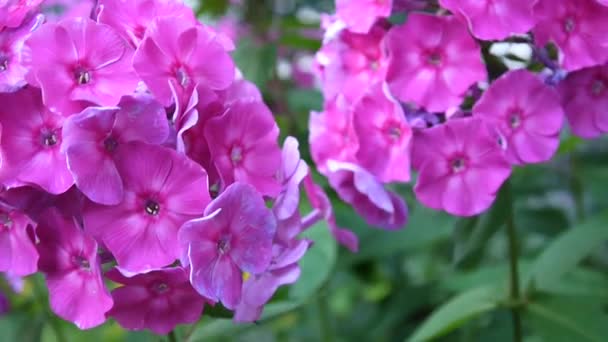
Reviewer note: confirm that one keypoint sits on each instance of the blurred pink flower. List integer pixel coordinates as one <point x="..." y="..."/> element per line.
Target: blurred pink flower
<point x="433" y="62"/>
<point x="527" y="113"/>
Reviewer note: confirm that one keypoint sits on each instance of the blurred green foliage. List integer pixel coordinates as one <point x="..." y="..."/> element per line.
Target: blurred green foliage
<point x="442" y="278"/>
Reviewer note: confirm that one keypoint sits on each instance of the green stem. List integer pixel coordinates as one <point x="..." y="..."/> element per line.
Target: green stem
<point x="514" y="271"/>
<point x="40" y="296"/>
<point x="324" y="324"/>
<point x="172" y="337"/>
<point x="576" y="188"/>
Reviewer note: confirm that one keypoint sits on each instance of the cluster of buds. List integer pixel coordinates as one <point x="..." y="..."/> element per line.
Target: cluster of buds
<point x="140" y="173"/>
<point x="418" y="95"/>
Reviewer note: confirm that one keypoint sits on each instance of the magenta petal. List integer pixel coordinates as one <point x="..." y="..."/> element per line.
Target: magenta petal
<point x="95" y="174"/>
<point x="19" y="256"/>
<point x="69" y="260"/>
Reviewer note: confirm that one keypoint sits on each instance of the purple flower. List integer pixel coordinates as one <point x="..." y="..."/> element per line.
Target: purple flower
<point x="235" y="236"/>
<point x="292" y="173"/>
<point x="259" y="289"/>
<point x="30" y="143"/>
<point x="69" y="260"/>
<point x="19" y="256"/>
<point x="322" y="207"/>
<point x="91" y="140"/>
<point x="434" y="61"/>
<point x="584" y="95"/>
<point x="78" y="59"/>
<point x="357" y="187"/>
<point x="162" y="190"/>
<point x="526" y="112"/>
<point x="461" y="167"/>
<point x="158" y="300"/>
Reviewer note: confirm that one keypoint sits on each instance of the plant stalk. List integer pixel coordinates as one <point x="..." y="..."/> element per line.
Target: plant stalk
<point x="515" y="293"/>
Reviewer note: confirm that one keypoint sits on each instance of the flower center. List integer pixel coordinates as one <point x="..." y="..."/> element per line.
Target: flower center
<point x="394" y="132"/>
<point x="160" y="288"/>
<point x="569" y="25"/>
<point x="82" y="77"/>
<point x="152" y="208"/>
<point x="236" y="154"/>
<point x="6" y="221"/>
<point x="597" y="88"/>
<point x="49" y="139"/>
<point x="434" y="59"/>
<point x="3" y="64"/>
<point x="514" y="119"/>
<point x="81" y="262"/>
<point x="139" y="32"/>
<point x="458" y="165"/>
<point x="110" y="144"/>
<point x="223" y="245"/>
<point x="182" y="77"/>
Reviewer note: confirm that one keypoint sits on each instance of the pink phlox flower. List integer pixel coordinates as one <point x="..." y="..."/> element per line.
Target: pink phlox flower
<point x="68" y="258"/>
<point x="19" y="256"/>
<point x="157" y="300"/>
<point x="77" y="60"/>
<point x="494" y="19"/>
<point x="162" y="190"/>
<point x="360" y="15"/>
<point x="132" y="18"/>
<point x="14" y="12"/>
<point x="177" y="50"/>
<point x="350" y="63"/>
<point x="12" y="70"/>
<point x="528" y="114"/>
<point x="91" y="139"/>
<point x="461" y="166"/>
<point x="243" y="144"/>
<point x="577" y="27"/>
<point x="434" y="61"/>
<point x="381" y="127"/>
<point x="332" y="134"/>
<point x="31" y="143"/>
<point x="584" y="96"/>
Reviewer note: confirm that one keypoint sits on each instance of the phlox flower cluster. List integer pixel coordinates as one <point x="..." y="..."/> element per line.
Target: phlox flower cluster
<point x="140" y="173"/>
<point x="417" y="94"/>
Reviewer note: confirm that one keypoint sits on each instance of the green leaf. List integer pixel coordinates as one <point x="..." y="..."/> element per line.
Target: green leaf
<point x="458" y="311"/>
<point x="565" y="252"/>
<point x="548" y="221"/>
<point x="304" y="100"/>
<point x="425" y="227"/>
<point x="566" y="319"/>
<point x="217" y="311"/>
<point x="214" y="7"/>
<point x="317" y="264"/>
<point x="257" y="63"/>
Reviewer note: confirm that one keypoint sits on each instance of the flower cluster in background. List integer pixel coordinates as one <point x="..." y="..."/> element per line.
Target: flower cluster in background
<point x="141" y="174"/>
<point x="406" y="85"/>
